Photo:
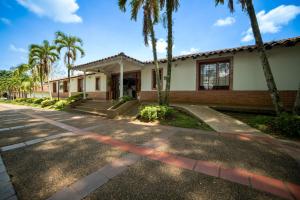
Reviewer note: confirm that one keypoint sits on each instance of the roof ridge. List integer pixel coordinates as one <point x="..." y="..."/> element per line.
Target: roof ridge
<point x="269" y="44"/>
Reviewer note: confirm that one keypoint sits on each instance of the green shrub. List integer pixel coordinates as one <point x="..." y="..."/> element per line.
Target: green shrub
<point x="61" y="104"/>
<point x="38" y="101"/>
<point x="151" y="113"/>
<point x="286" y="124"/>
<point x="126" y="98"/>
<point x="48" y="102"/>
<point x="29" y="100"/>
<point x="19" y="100"/>
<point x="76" y="97"/>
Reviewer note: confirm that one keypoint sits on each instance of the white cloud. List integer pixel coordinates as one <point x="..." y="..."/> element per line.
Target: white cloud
<point x="225" y="22"/>
<point x="5" y="21"/>
<point x="191" y="51"/>
<point x="273" y="21"/>
<point x="59" y="10"/>
<point x="13" y="48"/>
<point x="161" y="46"/>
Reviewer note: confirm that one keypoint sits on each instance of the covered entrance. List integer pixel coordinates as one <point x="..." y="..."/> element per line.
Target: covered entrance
<point x="123" y="75"/>
<point x="131" y="84"/>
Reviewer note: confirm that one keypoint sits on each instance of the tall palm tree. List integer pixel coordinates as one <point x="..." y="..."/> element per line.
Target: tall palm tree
<point x="44" y="56"/>
<point x="151" y="13"/>
<point x="72" y="45"/>
<point x="248" y="6"/>
<point x="171" y="6"/>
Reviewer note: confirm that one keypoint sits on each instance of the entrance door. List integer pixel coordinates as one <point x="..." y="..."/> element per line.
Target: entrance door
<point x="115" y="84"/>
<point x="131" y="84"/>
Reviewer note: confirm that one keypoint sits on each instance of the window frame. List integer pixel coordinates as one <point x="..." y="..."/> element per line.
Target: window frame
<point x="99" y="85"/>
<point x="153" y="75"/>
<point x="212" y="61"/>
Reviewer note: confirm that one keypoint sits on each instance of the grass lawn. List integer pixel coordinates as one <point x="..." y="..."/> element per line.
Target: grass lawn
<point x="258" y="121"/>
<point x="285" y="126"/>
<point x="184" y="120"/>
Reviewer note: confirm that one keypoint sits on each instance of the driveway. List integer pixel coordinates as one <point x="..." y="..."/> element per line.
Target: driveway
<point x="59" y="155"/>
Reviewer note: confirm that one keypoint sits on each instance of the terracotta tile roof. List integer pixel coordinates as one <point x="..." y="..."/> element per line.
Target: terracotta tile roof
<point x="110" y="58"/>
<point x="284" y="42"/>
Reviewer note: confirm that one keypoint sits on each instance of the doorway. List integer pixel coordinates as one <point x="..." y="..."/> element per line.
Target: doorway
<point x="131" y="84"/>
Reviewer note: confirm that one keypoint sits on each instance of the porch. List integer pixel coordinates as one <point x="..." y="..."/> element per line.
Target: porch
<point x="123" y="76"/>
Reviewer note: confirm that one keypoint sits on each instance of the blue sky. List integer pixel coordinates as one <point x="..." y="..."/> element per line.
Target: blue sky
<point x="105" y="30"/>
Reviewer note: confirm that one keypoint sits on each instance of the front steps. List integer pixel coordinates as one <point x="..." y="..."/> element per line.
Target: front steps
<point x="95" y="107"/>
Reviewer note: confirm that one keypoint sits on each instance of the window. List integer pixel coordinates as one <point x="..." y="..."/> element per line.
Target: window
<point x="154" y="78"/>
<point x="54" y="87"/>
<point x="80" y="85"/>
<point x="97" y="83"/>
<point x="65" y="86"/>
<point x="214" y="75"/>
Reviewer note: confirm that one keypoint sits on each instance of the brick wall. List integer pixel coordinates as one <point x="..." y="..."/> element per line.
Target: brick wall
<point x="226" y="98"/>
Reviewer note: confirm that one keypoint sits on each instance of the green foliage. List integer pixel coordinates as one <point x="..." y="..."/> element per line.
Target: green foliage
<point x="39" y="100"/>
<point x="59" y="105"/>
<point x="48" y="102"/>
<point x="152" y="112"/>
<point x="126" y="98"/>
<point x="182" y="119"/>
<point x="286" y="124"/>
<point x="75" y="98"/>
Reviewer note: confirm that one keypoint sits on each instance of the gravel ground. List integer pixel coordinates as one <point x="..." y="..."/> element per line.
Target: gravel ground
<point x="30" y="133"/>
<point x="132" y="133"/>
<point x="153" y="180"/>
<point x="39" y="171"/>
<point x="253" y="156"/>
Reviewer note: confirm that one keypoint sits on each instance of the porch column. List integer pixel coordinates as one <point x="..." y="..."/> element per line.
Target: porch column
<point x="84" y="85"/>
<point x="121" y="78"/>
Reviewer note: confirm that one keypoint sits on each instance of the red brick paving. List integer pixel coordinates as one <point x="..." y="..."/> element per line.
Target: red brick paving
<point x="208" y="168"/>
<point x="270" y="185"/>
<point x="294" y="189"/>
<point x="236" y="175"/>
<point x="259" y="182"/>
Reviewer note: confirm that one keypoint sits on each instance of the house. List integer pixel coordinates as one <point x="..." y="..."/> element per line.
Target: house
<point x="230" y="77"/>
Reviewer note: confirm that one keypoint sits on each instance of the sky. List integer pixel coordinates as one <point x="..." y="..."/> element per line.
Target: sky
<point x="198" y="26"/>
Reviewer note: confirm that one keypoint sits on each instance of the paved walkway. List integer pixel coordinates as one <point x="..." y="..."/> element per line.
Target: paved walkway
<point x="91" y="182"/>
<point x="218" y="121"/>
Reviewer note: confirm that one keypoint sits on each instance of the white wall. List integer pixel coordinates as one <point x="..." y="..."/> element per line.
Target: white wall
<point x="285" y="65"/>
<point x="247" y="71"/>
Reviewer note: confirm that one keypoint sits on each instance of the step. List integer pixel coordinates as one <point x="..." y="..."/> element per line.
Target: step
<point x="90" y="112"/>
<point x="94" y="106"/>
<point x="91" y="109"/>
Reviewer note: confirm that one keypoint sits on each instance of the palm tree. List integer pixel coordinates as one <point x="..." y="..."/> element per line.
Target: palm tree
<point x="248" y="6"/>
<point x="43" y="56"/>
<point x="20" y="76"/>
<point x="171" y="6"/>
<point x="72" y="44"/>
<point x="151" y="12"/>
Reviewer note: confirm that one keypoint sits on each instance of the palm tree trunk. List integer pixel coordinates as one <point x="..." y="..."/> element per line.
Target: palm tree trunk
<point x="296" y="109"/>
<point x="169" y="50"/>
<point x="69" y="76"/>
<point x="264" y="59"/>
<point x="157" y="75"/>
<point x="50" y="93"/>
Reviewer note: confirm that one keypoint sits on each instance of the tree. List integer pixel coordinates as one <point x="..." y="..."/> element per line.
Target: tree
<point x="72" y="45"/>
<point x="43" y="56"/>
<point x="248" y="6"/>
<point x="151" y="13"/>
<point x="171" y="6"/>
